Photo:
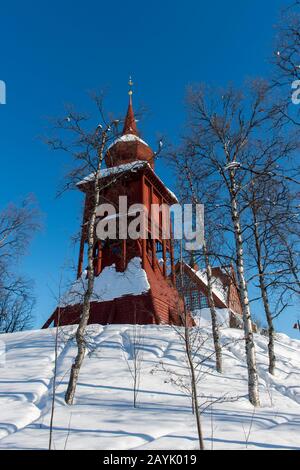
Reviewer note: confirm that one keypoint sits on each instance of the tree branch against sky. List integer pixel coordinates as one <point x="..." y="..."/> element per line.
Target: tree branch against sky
<point x="18" y="225"/>
<point x="222" y="125"/>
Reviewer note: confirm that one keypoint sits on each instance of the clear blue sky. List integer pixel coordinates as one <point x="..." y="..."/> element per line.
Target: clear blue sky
<point x="53" y="52"/>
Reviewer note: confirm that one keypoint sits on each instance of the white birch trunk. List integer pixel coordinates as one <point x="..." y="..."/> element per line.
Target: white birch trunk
<point x="265" y="298"/>
<point x="248" y="331"/>
<point x="213" y="313"/>
<point x="189" y="354"/>
<point x="80" y="333"/>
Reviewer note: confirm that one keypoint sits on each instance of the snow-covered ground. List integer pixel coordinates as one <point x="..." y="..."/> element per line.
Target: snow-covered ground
<point x="103" y="417"/>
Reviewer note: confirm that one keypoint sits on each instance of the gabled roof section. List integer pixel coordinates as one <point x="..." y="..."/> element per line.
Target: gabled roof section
<point x="199" y="277"/>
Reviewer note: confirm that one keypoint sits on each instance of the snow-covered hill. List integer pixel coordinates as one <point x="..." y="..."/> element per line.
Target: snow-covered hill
<point x="103" y="416"/>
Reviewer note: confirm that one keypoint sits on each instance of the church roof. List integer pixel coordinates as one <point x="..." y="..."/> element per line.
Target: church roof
<point x="131" y="167"/>
<point x="220" y="291"/>
<point x="128" y="138"/>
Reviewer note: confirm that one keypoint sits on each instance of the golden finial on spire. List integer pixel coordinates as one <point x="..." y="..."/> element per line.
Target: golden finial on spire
<point x="130" y="83"/>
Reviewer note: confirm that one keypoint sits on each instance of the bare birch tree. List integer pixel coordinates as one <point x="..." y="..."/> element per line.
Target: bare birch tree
<point x="286" y="61"/>
<point x="87" y="149"/>
<point x="16" y="303"/>
<point x="134" y="358"/>
<point x="18" y="224"/>
<point x="208" y="268"/>
<point x="54" y="379"/>
<point x="191" y="365"/>
<point x="260" y="242"/>
<point x="270" y="210"/>
<point x="84" y="318"/>
<point x="256" y="154"/>
<point x="287" y="50"/>
<point x="213" y="313"/>
<point x="221" y="125"/>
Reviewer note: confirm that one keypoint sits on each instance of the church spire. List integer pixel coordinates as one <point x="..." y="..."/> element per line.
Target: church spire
<point x="130" y="122"/>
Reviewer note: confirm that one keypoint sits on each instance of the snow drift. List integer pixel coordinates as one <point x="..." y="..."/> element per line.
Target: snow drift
<point x="110" y="284"/>
<point x="103" y="417"/>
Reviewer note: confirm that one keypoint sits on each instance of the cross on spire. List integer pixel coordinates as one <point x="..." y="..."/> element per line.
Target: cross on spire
<point x="130" y="92"/>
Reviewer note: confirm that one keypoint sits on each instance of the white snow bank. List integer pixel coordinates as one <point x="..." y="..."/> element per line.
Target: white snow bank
<point x="103" y="416"/>
<point x="110" y="284"/>
<point x="115" y="170"/>
<point x="203" y="317"/>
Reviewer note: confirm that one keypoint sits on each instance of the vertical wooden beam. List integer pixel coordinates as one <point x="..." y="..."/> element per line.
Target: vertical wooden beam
<point x="99" y="258"/>
<point x="124" y="246"/>
<point x="81" y="256"/>
<point x="153" y="242"/>
<point x="164" y="257"/>
<point x="144" y="241"/>
<point x="82" y="240"/>
<point x="173" y="277"/>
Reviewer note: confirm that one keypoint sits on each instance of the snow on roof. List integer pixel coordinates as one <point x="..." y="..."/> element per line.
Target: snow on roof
<point x="114" y="170"/>
<point x="218" y="287"/>
<point x="172" y="194"/>
<point x="110" y="284"/>
<point x="127" y="138"/>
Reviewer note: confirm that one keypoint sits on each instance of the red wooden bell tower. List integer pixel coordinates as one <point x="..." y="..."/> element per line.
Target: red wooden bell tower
<point x="147" y="264"/>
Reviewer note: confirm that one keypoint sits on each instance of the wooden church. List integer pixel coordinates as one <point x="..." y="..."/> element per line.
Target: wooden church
<point x="135" y="279"/>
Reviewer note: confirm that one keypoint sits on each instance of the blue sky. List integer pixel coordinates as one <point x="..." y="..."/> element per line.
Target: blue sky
<point x="54" y="52"/>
